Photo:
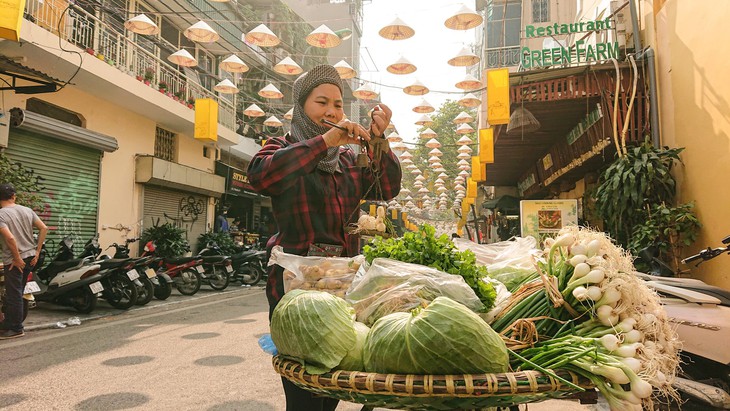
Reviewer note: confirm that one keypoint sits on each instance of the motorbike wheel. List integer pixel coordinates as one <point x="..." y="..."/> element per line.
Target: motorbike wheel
<point x="146" y="292"/>
<point x="85" y="301"/>
<point x="163" y="291"/>
<point x="219" y="280"/>
<point x="188" y="282"/>
<point x="122" y="292"/>
<point x="249" y="274"/>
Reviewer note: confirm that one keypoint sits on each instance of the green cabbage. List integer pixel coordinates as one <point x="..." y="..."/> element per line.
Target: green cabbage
<point x="313" y="327"/>
<point x="353" y="360"/>
<point x="443" y="338"/>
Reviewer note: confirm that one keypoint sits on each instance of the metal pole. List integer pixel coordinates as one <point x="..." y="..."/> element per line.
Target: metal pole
<point x="647" y="55"/>
<point x="476" y="224"/>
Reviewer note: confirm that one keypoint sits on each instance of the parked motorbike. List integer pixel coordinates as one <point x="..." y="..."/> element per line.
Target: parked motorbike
<point x="155" y="285"/>
<point x="67" y="280"/>
<point x="702" y="315"/>
<point x="186" y="272"/>
<point x="249" y="266"/>
<point x="217" y="267"/>
<point x="119" y="277"/>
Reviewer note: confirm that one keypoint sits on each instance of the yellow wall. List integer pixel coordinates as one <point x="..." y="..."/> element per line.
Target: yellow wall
<point x="692" y="48"/>
<point x="119" y="197"/>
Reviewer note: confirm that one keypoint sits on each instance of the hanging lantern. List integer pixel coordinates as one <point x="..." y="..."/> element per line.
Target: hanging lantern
<point x="469" y="83"/>
<point x="401" y="66"/>
<point x="182" y="58"/>
<point x="261" y="36"/>
<point x="254" y="111"/>
<point x="233" y="64"/>
<point x="465" y="58"/>
<point x="464" y="128"/>
<point x="424" y="107"/>
<point x="463" y="117"/>
<point x="364" y="92"/>
<point x="498" y="101"/>
<point x="397" y="30"/>
<point x="428" y="133"/>
<point x="345" y="70"/>
<point x="469" y="100"/>
<point x="273" y="122"/>
<point x="435" y="152"/>
<point x="288" y="67"/>
<point x="201" y="32"/>
<point x="433" y="143"/>
<point x="394" y="137"/>
<point x="270" y="91"/>
<point x="425" y="120"/>
<point x="476" y="169"/>
<point x="416" y="89"/>
<point x="486" y="145"/>
<point x="464" y="19"/>
<point x="465" y="141"/>
<point x="141" y="24"/>
<point x="226" y="87"/>
<point x="323" y="37"/>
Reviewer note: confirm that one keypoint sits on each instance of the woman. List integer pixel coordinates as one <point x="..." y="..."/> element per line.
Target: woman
<point x="315" y="186"/>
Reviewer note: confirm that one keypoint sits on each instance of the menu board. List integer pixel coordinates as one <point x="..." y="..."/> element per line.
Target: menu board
<point x="543" y="218"/>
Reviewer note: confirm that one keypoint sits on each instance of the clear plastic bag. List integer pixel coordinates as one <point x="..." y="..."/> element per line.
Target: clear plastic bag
<point x="329" y="274"/>
<point x="390" y="286"/>
<point x="511" y="262"/>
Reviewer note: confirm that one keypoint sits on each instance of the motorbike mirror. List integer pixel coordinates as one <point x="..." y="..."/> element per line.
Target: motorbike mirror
<point x="726" y="240"/>
<point x="68" y="242"/>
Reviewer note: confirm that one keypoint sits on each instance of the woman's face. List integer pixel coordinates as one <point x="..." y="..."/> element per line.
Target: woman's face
<point x="325" y="101"/>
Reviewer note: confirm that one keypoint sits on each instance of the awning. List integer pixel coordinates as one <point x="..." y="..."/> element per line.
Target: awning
<point x="507" y="204"/>
<point x="51" y="127"/>
<point x="43" y="82"/>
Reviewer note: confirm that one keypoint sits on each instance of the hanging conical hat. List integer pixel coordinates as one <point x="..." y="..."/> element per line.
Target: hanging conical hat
<point x="323" y="37"/>
<point x="345" y="70"/>
<point x="288" y="66"/>
<point x="469" y="83"/>
<point x="463" y="117"/>
<point x="464" y="19"/>
<point x="416" y="89"/>
<point x="397" y="30"/>
<point x="469" y="100"/>
<point x="401" y="66"/>
<point x="261" y="36"/>
<point x="465" y="58"/>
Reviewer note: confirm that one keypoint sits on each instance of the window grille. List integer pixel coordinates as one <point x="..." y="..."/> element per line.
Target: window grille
<point x="164" y="144"/>
<point x="540" y="11"/>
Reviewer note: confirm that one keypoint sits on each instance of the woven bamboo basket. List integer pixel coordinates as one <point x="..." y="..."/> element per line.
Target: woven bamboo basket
<point x="432" y="392"/>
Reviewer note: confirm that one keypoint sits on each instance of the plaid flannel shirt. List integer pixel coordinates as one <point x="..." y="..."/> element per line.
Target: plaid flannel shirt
<point x="310" y="206"/>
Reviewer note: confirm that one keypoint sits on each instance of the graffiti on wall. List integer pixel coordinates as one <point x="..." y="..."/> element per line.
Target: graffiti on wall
<point x="188" y="211"/>
<point x="66" y="209"/>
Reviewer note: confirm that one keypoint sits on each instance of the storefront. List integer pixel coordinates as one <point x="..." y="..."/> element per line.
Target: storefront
<point x="245" y="206"/>
<point x="67" y="157"/>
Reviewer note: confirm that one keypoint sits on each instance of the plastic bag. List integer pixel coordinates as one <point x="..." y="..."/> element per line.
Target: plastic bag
<point x="391" y="286"/>
<point x="329" y="274"/>
<point x="511" y="262"/>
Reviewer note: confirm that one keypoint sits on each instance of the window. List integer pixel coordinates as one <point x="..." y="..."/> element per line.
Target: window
<point x="503" y="32"/>
<point x="540" y="11"/>
<point x="164" y="144"/>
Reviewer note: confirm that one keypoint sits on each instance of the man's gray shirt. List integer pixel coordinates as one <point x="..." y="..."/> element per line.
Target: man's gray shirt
<point x="19" y="220"/>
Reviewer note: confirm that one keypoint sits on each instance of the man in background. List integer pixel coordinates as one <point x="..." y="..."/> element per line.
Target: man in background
<point x="20" y="255"/>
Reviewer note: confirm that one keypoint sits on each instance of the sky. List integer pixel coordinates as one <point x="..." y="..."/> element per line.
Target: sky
<point x="429" y="50"/>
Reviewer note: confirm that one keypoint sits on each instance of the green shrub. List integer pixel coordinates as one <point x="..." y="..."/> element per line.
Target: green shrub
<point x="224" y="241"/>
<point x="169" y="240"/>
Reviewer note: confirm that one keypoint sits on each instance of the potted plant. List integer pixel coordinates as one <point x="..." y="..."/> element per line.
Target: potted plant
<point x="149" y="75"/>
<point x="90" y="51"/>
<point x="191" y="102"/>
<point x="162" y="86"/>
<point x="179" y="95"/>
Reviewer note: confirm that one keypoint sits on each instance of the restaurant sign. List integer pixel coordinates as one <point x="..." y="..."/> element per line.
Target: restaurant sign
<point x="580" y="52"/>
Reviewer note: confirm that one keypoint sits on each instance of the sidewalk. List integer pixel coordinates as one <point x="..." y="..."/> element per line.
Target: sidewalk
<point x="48" y="316"/>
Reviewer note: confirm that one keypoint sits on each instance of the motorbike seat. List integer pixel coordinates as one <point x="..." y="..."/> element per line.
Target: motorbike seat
<point x="112" y="263"/>
<point x="212" y="259"/>
<point x="179" y="260"/>
<point x="56" y="267"/>
<point x="717" y="292"/>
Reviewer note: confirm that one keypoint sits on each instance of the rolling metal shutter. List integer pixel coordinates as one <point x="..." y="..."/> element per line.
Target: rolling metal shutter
<point x="70" y="179"/>
<point x="185" y="210"/>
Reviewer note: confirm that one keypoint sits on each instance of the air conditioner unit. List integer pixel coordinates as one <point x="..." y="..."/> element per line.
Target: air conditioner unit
<point x="4" y="128"/>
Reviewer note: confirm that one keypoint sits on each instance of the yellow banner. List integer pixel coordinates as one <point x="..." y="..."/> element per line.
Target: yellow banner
<point x="206" y="119"/>
<point x="476" y="169"/>
<point x="498" y="96"/>
<point x="471" y="188"/>
<point x="11" y="16"/>
<point x="486" y="145"/>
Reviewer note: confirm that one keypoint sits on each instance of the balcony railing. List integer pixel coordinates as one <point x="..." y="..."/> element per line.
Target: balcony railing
<point x="89" y="33"/>
<point x="503" y="57"/>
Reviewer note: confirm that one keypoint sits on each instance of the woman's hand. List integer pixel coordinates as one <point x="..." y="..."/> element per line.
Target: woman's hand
<point x="336" y="137"/>
<point x="381" y="119"/>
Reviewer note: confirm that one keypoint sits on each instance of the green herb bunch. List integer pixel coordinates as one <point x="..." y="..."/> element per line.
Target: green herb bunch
<point x="424" y="248"/>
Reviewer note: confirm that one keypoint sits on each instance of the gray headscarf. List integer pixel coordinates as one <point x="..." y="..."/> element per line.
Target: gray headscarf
<point x="302" y="127"/>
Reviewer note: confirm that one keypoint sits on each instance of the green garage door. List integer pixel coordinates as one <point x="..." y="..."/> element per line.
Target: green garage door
<point x="70" y="179"/>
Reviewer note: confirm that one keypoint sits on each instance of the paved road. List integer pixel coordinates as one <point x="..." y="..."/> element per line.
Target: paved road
<point x="184" y="354"/>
